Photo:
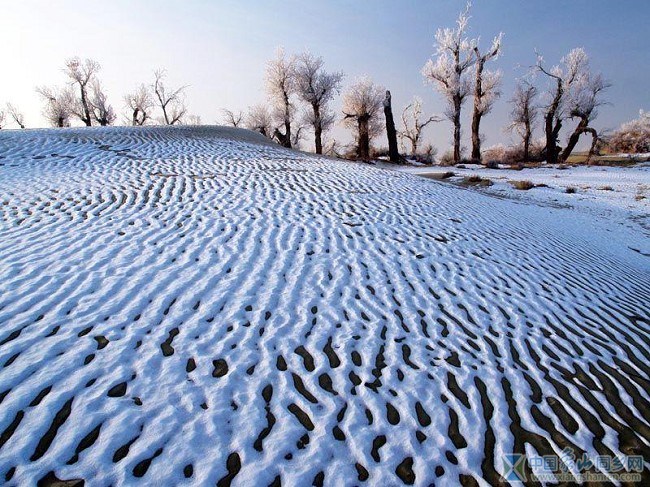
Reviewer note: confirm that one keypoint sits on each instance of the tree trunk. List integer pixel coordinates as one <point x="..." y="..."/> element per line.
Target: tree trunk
<point x="552" y="131"/>
<point x="393" y="151"/>
<point x="84" y="103"/>
<point x="60" y="122"/>
<point x="135" y="116"/>
<point x="476" y="117"/>
<point x="286" y="142"/>
<point x="164" y="110"/>
<point x="528" y="133"/>
<point x="552" y="127"/>
<point x="282" y="138"/>
<point x="318" y="129"/>
<point x="594" y="142"/>
<point x="476" y="138"/>
<point x="573" y="139"/>
<point x="286" y="139"/>
<point x="456" y="121"/>
<point x="363" y="149"/>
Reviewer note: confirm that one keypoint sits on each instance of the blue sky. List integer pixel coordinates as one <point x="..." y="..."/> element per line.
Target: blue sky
<point x="219" y="48"/>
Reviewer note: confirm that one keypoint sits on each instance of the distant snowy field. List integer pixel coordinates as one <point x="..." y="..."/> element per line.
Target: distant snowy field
<point x="188" y="306"/>
<point x="616" y="196"/>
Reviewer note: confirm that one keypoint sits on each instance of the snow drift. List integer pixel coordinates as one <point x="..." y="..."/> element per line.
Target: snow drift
<point x="197" y="305"/>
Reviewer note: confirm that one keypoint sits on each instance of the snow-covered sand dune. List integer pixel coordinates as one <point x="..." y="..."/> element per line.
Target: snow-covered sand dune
<point x="197" y="306"/>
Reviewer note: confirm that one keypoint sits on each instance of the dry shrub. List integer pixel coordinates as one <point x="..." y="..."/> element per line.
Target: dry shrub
<point x="632" y="137"/>
<point x="501" y="154"/>
<point x="494" y="154"/>
<point x="377" y="152"/>
<point x="570" y="190"/>
<point x="441" y="175"/>
<point x="523" y="185"/>
<point x="476" y="180"/>
<point x="447" y="159"/>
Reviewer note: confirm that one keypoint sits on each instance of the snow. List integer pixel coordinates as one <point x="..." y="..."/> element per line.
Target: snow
<point x="196" y="296"/>
<point x="613" y="197"/>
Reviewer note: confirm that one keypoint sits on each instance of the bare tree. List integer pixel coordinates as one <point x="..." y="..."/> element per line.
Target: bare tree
<point x="100" y="109"/>
<point x="523" y="114"/>
<point x="584" y="98"/>
<point x="562" y="77"/>
<point x="317" y="88"/>
<point x="448" y="73"/>
<point x="259" y="119"/>
<point x="362" y="105"/>
<point x="58" y="108"/>
<point x="486" y="91"/>
<point x="231" y="118"/>
<point x="81" y="73"/>
<point x="140" y="103"/>
<point x="16" y="115"/>
<point x="281" y="85"/>
<point x="413" y="124"/>
<point x="171" y="101"/>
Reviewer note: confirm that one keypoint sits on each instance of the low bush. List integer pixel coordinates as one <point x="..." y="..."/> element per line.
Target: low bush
<point x="570" y="190"/>
<point x="441" y="175"/>
<point x="632" y="137"/>
<point x="447" y="159"/>
<point x="427" y="155"/>
<point x="523" y="185"/>
<point x="511" y="155"/>
<point x="476" y="180"/>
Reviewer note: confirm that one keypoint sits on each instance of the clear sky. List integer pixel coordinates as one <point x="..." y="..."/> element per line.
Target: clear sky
<point x="219" y="47"/>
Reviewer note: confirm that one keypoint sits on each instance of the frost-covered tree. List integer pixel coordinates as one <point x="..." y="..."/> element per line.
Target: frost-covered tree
<point x="281" y="86"/>
<point x="81" y="74"/>
<point x="101" y="111"/>
<point x="259" y="120"/>
<point x="231" y="118"/>
<point x="16" y="115"/>
<point x="455" y="55"/>
<point x="171" y="101"/>
<point x="523" y="114"/>
<point x="2" y="119"/>
<point x="585" y="96"/>
<point x="362" y="107"/>
<point x="140" y="104"/>
<point x="486" y="90"/>
<point x="413" y="124"/>
<point x="632" y="137"/>
<point x="58" y="105"/>
<point x="571" y="70"/>
<point x="317" y="88"/>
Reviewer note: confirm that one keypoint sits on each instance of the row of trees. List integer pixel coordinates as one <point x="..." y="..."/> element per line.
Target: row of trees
<point x="300" y="92"/>
<point x="574" y="92"/>
<point x="83" y="99"/>
<point x="458" y="70"/>
<point x="291" y="80"/>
